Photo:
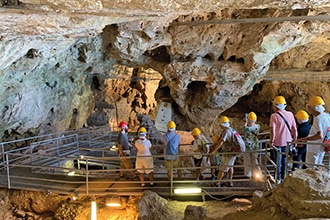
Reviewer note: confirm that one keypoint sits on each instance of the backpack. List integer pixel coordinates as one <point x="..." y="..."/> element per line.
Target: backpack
<point x="205" y="148"/>
<point x="239" y="143"/>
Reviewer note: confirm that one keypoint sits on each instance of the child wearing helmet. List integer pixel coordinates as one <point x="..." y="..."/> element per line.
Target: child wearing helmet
<point x="251" y="130"/>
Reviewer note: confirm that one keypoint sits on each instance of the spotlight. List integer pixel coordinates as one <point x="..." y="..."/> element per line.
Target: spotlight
<point x="192" y="190"/>
<point x="258" y="175"/>
<point x="114" y="201"/>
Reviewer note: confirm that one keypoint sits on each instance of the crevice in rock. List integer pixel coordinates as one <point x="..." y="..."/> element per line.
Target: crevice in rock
<point x="159" y="54"/>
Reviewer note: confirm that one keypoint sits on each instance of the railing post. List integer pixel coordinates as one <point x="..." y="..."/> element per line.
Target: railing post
<point x="8" y="174"/>
<point x="3" y="152"/>
<point x="171" y="180"/>
<point x="77" y="142"/>
<point x="87" y="176"/>
<point x="89" y="138"/>
<point x="58" y="151"/>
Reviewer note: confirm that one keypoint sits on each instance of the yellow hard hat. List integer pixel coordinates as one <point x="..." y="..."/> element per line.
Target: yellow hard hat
<point x="171" y="124"/>
<point x="215" y="138"/>
<point x="279" y="100"/>
<point x="315" y="100"/>
<point x="142" y="130"/>
<point x="224" y="119"/>
<point x="196" y="132"/>
<point x="302" y="115"/>
<point x="252" y="116"/>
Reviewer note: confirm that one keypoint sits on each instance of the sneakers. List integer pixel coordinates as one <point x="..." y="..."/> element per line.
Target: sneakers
<point x="153" y="184"/>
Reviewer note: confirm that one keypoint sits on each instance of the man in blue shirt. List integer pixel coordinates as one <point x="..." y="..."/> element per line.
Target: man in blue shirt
<point x="172" y="150"/>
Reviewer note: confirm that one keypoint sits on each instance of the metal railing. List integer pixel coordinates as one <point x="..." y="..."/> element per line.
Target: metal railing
<point x="83" y="162"/>
<point x="105" y="178"/>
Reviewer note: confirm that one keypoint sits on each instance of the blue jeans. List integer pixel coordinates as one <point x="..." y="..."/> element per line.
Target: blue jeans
<point x="301" y="156"/>
<point x="281" y="161"/>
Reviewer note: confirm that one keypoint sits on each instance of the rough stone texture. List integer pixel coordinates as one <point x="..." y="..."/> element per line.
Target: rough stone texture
<point x="194" y="213"/>
<point x="151" y="206"/>
<point x="53" y="51"/>
<point x="304" y="194"/>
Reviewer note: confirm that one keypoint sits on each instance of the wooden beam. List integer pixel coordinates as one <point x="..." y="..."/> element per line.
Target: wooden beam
<point x="297" y="75"/>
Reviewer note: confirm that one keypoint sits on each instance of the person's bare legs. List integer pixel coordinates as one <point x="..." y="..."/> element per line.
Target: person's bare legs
<point x="220" y="176"/>
<point x="230" y="175"/>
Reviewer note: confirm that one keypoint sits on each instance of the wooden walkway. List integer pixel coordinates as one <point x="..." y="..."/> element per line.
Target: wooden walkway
<point x="23" y="178"/>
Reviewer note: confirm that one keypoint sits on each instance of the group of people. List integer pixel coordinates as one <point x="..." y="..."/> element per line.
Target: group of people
<point x="284" y="130"/>
<point x="285" y="127"/>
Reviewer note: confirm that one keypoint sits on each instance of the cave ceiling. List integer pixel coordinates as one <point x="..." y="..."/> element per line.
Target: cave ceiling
<point x="208" y="53"/>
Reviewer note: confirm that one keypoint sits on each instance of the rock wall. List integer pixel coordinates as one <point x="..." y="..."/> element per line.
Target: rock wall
<point x="53" y="53"/>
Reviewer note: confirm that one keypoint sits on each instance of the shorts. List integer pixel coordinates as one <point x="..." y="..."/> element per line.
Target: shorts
<point x="227" y="161"/>
<point x="176" y="163"/>
<point x="144" y="165"/>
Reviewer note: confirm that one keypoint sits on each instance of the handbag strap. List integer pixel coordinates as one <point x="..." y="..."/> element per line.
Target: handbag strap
<point x="286" y="122"/>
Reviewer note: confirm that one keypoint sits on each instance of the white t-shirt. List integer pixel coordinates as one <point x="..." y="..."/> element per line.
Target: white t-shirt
<point x="143" y="147"/>
<point x="320" y="124"/>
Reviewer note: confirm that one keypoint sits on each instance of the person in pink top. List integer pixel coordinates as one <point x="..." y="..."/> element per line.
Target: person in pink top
<point x="283" y="129"/>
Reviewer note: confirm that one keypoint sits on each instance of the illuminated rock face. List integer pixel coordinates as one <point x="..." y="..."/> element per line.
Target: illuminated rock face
<point x="60" y="59"/>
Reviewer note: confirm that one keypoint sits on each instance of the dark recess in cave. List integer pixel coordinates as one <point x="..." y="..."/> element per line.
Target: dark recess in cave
<point x="159" y="54"/>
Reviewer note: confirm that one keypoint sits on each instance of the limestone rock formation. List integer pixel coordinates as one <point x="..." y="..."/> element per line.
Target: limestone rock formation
<point x="302" y="195"/>
<point x="208" y="54"/>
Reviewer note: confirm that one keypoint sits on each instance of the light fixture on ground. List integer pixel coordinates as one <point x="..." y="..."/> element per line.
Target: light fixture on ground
<point x="188" y="190"/>
<point x="93" y="210"/>
<point x="114" y="201"/>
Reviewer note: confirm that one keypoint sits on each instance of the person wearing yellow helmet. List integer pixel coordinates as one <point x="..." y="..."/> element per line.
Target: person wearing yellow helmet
<point x="225" y="145"/>
<point x="172" y="150"/>
<point x="197" y="147"/>
<point x="283" y="129"/>
<point x="144" y="163"/>
<point x="251" y="130"/>
<point x="303" y="128"/>
<point x="321" y="122"/>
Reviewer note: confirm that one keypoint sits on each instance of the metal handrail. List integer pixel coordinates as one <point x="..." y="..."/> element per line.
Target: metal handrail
<point x="109" y="164"/>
